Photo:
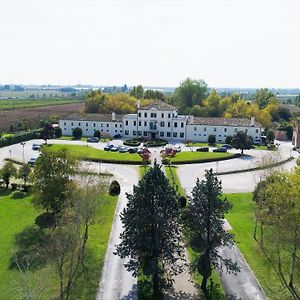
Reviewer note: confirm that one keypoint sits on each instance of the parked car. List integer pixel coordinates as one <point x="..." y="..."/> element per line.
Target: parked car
<point x="177" y="148"/>
<point x="117" y="136"/>
<point x="123" y="149"/>
<point x="36" y="147"/>
<point x="32" y="161"/>
<point x="132" y="150"/>
<point x="108" y="147"/>
<point x="203" y="149"/>
<point x="228" y="147"/>
<point x="220" y="149"/>
<point x="115" y="148"/>
<point x="93" y="140"/>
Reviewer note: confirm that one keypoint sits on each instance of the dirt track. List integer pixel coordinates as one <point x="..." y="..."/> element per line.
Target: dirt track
<point x="12" y="117"/>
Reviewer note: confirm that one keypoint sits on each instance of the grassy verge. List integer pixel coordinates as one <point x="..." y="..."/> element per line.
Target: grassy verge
<point x="241" y="218"/>
<point x="174" y="180"/>
<point x="143" y="170"/>
<point x="15" y="215"/>
<point x="92" y="154"/>
<point x="188" y="157"/>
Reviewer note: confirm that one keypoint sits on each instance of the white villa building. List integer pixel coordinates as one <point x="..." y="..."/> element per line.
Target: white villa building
<point x="160" y="120"/>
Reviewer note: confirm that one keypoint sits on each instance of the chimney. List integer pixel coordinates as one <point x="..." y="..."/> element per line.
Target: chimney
<point x="113" y="116"/>
<point x="252" y="121"/>
<point x="138" y="104"/>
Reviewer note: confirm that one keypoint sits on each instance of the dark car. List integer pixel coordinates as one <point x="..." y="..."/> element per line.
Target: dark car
<point x="226" y="146"/>
<point x="132" y="150"/>
<point x="221" y="149"/>
<point x="117" y="136"/>
<point x="115" y="148"/>
<point x="202" y="149"/>
<point x="36" y="147"/>
<point x="93" y="140"/>
<point x="108" y="147"/>
<point x="32" y="161"/>
<point x="123" y="149"/>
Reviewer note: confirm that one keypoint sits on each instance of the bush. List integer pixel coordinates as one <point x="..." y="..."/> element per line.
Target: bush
<point x="182" y="201"/>
<point x="211" y="139"/>
<point x="97" y="134"/>
<point x="57" y="132"/>
<point x="19" y="137"/>
<point x="45" y="220"/>
<point x="228" y="139"/>
<point x="132" y="143"/>
<point x="155" y="143"/>
<point x="114" y="188"/>
<point x="77" y="133"/>
<point x="14" y="186"/>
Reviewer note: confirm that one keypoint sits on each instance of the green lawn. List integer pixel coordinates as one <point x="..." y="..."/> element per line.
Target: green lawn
<point x="90" y="153"/>
<point x="12" y="104"/>
<point x="15" y="216"/>
<point x="174" y="180"/>
<point x="187" y="156"/>
<point x="143" y="170"/>
<point x="241" y="218"/>
<point x="83" y="139"/>
<point x="198" y="144"/>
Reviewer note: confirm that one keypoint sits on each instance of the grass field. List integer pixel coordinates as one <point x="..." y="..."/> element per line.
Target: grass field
<point x="174" y="180"/>
<point x="256" y="147"/>
<point x="90" y="153"/>
<point x="187" y="156"/>
<point x="15" y="216"/>
<point x="30" y="103"/>
<point x="241" y="218"/>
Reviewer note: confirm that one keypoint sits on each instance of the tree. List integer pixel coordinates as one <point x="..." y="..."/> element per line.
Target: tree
<point x="241" y="141"/>
<point x="24" y="173"/>
<point x="77" y="133"/>
<point x="52" y="180"/>
<point x="211" y="139"/>
<point x="57" y="132"/>
<point x="228" y="139"/>
<point x="8" y="171"/>
<point x="137" y="92"/>
<point x="270" y="136"/>
<point x="151" y="237"/>
<point x="47" y="132"/>
<point x="190" y="92"/>
<point x="263" y="97"/>
<point x="97" y="134"/>
<point x="204" y="226"/>
<point x="155" y="95"/>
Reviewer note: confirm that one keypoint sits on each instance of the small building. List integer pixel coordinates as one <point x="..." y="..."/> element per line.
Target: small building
<point x="160" y="120"/>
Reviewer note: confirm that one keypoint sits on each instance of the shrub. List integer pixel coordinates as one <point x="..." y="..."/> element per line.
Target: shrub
<point x="97" y="134"/>
<point x="211" y="139"/>
<point x="14" y="186"/>
<point x="182" y="201"/>
<point x="132" y="143"/>
<point x="19" y="137"/>
<point x="155" y="143"/>
<point x="114" y="188"/>
<point x="57" y="132"/>
<point x="77" y="133"/>
<point x="145" y="288"/>
<point x="228" y="139"/>
<point x="45" y="220"/>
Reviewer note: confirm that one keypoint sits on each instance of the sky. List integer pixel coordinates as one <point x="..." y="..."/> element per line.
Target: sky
<point x="227" y="43"/>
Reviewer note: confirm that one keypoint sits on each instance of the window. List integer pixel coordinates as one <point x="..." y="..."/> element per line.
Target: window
<point x="145" y="133"/>
<point x="120" y="125"/>
<point x="225" y="129"/>
<point x="145" y="123"/>
<point x="162" y="124"/>
<point x="153" y="115"/>
<point x="175" y="134"/>
<point x="204" y="128"/>
<point x="215" y="129"/>
<point x="235" y="129"/>
<point x="64" y="129"/>
<point x="246" y="130"/>
<point x="134" y="132"/>
<point x="126" y="123"/>
<point x="140" y="114"/>
<point x="140" y="123"/>
<point x="169" y="116"/>
<point x="79" y="124"/>
<point x="182" y="124"/>
<point x="175" y="124"/>
<point x="161" y="133"/>
<point x="162" y="115"/>
<point x="107" y="125"/>
<point x="182" y="134"/>
<point x="224" y="135"/>
<point x="94" y="124"/>
<point x="101" y="130"/>
<point x="219" y="135"/>
<point x="204" y="134"/>
<point x="101" y="124"/>
<point x="94" y="130"/>
<point x="139" y="133"/>
<point x="195" y="128"/>
<point x="87" y="129"/>
<point x="72" y="124"/>
<point x="65" y="123"/>
<point x="169" y="124"/>
<point x="107" y="130"/>
<point x="256" y="130"/>
<point x="86" y="124"/>
<point x="116" y="130"/>
<point x="168" y="134"/>
<point x="134" y="123"/>
<point x="116" y="125"/>
<point x="145" y="115"/>
<point x="126" y="132"/>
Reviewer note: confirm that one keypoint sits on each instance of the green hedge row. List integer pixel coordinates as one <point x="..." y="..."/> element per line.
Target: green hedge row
<point x="20" y="137"/>
<point x="158" y="143"/>
<point x="199" y="161"/>
<point x="132" y="143"/>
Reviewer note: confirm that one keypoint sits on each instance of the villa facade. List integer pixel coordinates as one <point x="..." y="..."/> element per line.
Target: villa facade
<point x="160" y="120"/>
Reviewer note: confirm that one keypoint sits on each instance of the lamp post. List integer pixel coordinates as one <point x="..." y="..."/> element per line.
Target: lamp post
<point x="23" y="145"/>
<point x="10" y="154"/>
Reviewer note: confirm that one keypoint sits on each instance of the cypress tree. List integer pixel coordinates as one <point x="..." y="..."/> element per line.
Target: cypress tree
<point x="151" y="237"/>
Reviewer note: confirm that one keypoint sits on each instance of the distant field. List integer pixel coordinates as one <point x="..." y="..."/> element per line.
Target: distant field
<point x="12" y="104"/>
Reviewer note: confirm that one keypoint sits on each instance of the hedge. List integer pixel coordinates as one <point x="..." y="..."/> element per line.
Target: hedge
<point x="199" y="161"/>
<point x="132" y="143"/>
<point x="157" y="143"/>
<point x="20" y="137"/>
